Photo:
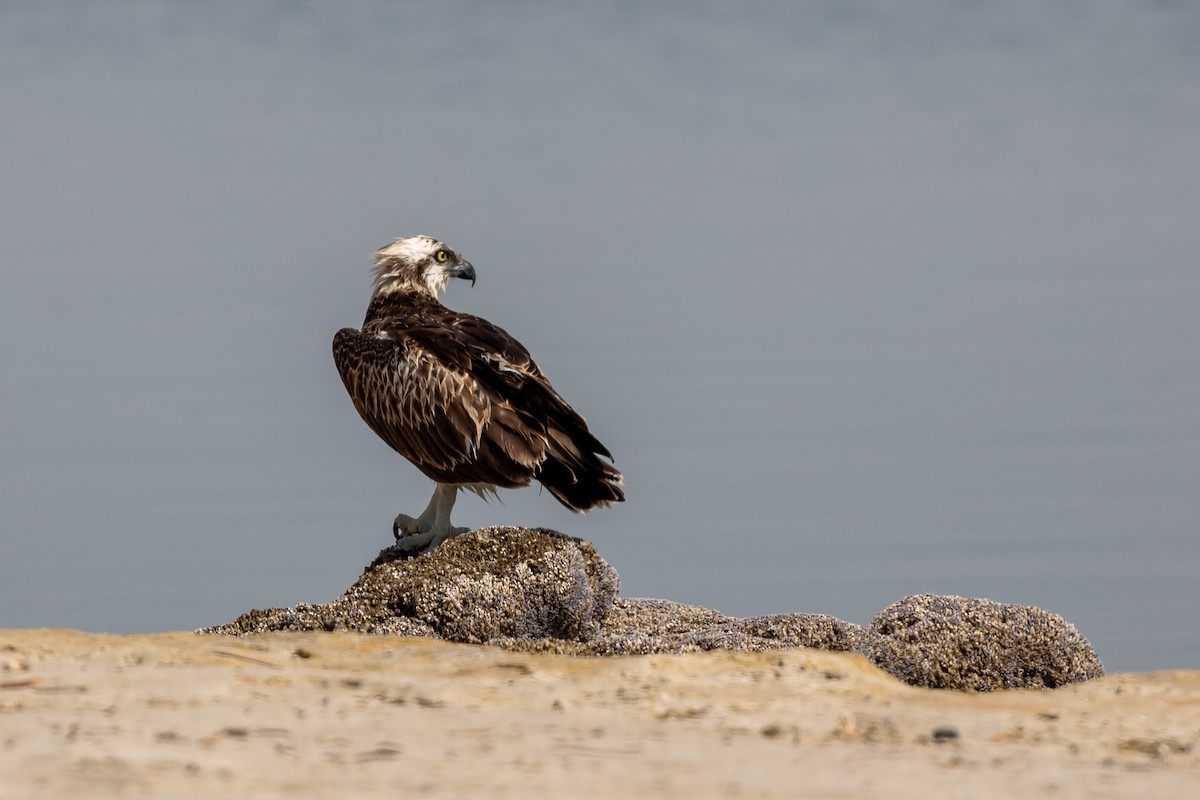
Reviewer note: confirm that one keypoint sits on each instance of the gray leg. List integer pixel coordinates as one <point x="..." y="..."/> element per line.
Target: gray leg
<point x="407" y="526"/>
<point x="433" y="526"/>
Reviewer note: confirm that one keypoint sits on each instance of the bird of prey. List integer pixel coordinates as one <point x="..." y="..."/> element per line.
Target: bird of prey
<point x="460" y="398"/>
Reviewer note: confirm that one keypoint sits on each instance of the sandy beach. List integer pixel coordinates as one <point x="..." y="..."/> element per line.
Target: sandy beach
<point x="347" y="715"/>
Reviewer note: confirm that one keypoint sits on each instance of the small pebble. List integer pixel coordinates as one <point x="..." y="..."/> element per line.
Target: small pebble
<point x="945" y="733"/>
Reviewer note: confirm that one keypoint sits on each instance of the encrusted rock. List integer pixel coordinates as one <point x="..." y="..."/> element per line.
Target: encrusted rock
<point x="642" y="627"/>
<point x="488" y="584"/>
<point x="538" y="590"/>
<point x="947" y="642"/>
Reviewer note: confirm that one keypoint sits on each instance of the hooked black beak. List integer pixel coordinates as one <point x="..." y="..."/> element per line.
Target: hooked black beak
<point x="463" y="270"/>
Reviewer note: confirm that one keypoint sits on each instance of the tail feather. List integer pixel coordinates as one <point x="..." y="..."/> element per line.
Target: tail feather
<point x="576" y="475"/>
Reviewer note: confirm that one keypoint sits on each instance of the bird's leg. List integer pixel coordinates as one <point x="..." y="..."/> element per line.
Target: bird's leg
<point x="405" y="525"/>
<point x="433" y="526"/>
<point x="446" y="494"/>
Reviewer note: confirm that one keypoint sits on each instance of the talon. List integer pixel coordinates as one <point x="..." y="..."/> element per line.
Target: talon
<point x="408" y="546"/>
<point x="405" y="526"/>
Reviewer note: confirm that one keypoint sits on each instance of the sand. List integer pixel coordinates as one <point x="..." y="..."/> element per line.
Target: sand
<point x="343" y="715"/>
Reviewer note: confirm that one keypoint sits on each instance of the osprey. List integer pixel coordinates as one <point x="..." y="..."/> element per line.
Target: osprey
<point x="460" y="398"/>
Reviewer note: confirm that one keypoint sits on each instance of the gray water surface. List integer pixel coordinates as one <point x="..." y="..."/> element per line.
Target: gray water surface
<point x="867" y="299"/>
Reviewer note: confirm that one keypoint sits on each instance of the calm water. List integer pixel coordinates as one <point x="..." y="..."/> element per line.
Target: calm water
<point x="866" y="300"/>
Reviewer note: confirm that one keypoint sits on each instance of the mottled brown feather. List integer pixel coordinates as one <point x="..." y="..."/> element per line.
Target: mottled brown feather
<point x="465" y="403"/>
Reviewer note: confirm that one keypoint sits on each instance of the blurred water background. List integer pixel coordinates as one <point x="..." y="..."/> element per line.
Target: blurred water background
<point x="867" y="298"/>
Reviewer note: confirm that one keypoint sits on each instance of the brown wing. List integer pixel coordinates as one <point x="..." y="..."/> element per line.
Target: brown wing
<point x="465" y="403"/>
<point x="433" y="412"/>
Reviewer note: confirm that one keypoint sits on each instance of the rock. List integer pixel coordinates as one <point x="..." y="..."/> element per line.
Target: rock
<point x="339" y="615"/>
<point x="643" y="627"/>
<point x="947" y="642"/>
<point x="488" y="584"/>
<point x="945" y="733"/>
<point x="818" y="631"/>
<point x="540" y="591"/>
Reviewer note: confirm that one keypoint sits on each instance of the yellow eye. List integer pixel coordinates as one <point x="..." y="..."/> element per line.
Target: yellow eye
<point x="441" y="256"/>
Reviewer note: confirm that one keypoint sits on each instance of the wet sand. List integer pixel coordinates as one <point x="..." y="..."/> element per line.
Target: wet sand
<point x="342" y="715"/>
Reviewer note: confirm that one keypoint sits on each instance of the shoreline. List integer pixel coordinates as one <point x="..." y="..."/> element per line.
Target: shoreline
<point x="337" y="714"/>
